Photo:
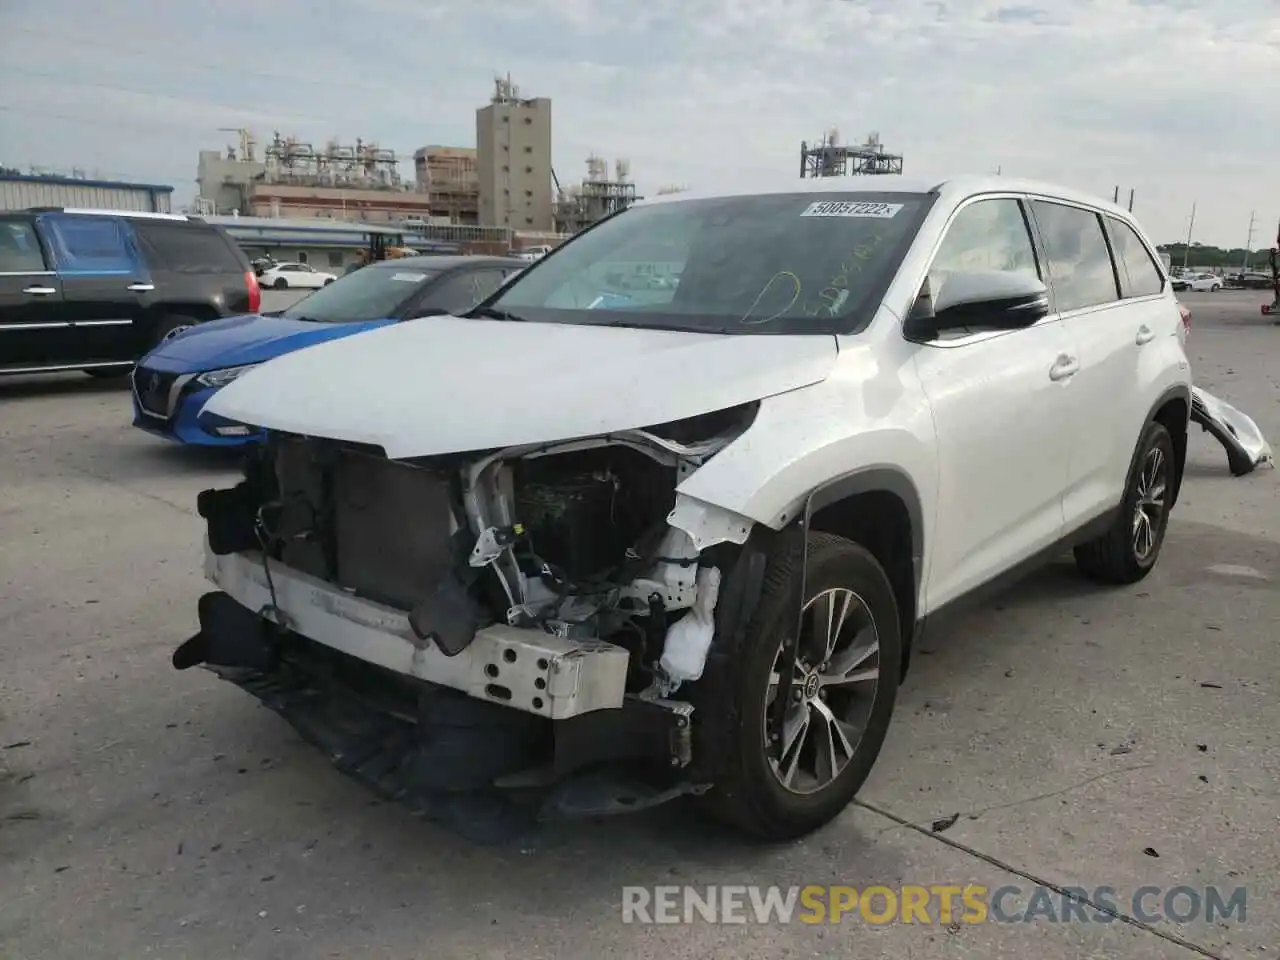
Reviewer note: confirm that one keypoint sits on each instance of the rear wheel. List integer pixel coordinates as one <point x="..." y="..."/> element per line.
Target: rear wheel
<point x="1128" y="551"/>
<point x="783" y="780"/>
<point x="280" y="283"/>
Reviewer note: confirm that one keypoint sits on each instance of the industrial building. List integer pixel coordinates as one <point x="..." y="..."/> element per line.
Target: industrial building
<point x="449" y="178"/>
<point x="580" y="205"/>
<point x="830" y="158"/>
<point x="293" y="178"/>
<point x="513" y="160"/>
<point x="323" y="245"/>
<point x="19" y="191"/>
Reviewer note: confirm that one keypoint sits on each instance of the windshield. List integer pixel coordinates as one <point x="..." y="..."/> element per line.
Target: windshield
<point x="780" y="263"/>
<point x="374" y="293"/>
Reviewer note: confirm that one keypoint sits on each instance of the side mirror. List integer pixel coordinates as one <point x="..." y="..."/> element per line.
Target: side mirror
<point x="989" y="299"/>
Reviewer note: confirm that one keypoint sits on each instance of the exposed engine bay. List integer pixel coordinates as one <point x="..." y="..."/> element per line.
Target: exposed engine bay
<point x="567" y="541"/>
<point x="570" y="538"/>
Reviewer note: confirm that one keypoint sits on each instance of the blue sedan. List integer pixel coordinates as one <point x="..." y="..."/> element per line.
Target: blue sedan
<point x="172" y="383"/>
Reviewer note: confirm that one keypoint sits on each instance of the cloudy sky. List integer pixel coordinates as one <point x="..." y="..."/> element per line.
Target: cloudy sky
<point x="1176" y="99"/>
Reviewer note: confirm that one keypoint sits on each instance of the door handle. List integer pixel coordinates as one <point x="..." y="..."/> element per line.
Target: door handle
<point x="1064" y="367"/>
<point x="140" y="287"/>
<point x="1144" y="335"/>
<point x="40" y="291"/>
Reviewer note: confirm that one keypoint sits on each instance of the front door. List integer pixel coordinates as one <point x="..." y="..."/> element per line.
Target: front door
<point x="1000" y="402"/>
<point x="105" y="282"/>
<point x="33" y="330"/>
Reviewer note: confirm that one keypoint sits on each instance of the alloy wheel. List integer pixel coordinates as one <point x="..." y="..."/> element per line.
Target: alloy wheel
<point x="832" y="692"/>
<point x="181" y="328"/>
<point x="1149" y="508"/>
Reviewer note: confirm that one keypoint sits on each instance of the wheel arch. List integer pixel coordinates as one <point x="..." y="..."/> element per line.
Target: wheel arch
<point x="880" y="508"/>
<point x="1173" y="411"/>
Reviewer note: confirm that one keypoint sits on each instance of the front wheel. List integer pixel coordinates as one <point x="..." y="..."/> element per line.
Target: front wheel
<point x="793" y="759"/>
<point x="280" y="283"/>
<point x="1128" y="551"/>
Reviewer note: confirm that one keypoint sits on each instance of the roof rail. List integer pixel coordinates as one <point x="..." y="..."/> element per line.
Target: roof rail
<point x="85" y="211"/>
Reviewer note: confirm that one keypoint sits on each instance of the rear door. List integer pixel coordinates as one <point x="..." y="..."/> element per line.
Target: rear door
<point x="104" y="282"/>
<point x="1104" y="328"/>
<point x="33" y="330"/>
<point x="197" y="269"/>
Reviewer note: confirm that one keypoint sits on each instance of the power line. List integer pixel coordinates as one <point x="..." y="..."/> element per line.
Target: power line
<point x="136" y="91"/>
<point x="190" y="64"/>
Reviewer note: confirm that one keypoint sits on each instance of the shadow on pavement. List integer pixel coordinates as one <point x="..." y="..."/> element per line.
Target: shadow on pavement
<point x="40" y="386"/>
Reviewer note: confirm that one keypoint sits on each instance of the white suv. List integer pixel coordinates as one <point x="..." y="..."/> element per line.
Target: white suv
<point x="601" y="542"/>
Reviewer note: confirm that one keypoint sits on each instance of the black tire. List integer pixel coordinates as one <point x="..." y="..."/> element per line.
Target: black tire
<point x="329" y="281"/>
<point x="1114" y="558"/>
<point x="170" y="325"/>
<point x="110" y="373"/>
<point x="730" y="723"/>
<point x="280" y="283"/>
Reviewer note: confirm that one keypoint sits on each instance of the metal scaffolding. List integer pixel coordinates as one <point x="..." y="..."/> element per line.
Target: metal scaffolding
<point x="830" y="158"/>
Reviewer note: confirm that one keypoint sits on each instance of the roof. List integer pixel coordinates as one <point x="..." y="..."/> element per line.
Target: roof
<point x="447" y="262"/>
<point x="299" y="225"/>
<point x="953" y="188"/>
<point x="79" y="182"/>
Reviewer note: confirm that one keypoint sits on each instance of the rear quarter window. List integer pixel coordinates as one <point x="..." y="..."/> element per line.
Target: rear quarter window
<point x="188" y="248"/>
<point x="1140" y="276"/>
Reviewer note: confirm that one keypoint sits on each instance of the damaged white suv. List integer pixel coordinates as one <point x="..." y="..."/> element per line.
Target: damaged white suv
<point x="665" y="514"/>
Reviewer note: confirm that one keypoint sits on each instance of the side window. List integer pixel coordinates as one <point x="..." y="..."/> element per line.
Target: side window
<point x="89" y="244"/>
<point x="185" y="248"/>
<point x="1080" y="266"/>
<point x="1139" y="274"/>
<point x="463" y="291"/>
<point x="986" y="235"/>
<point x="20" y="248"/>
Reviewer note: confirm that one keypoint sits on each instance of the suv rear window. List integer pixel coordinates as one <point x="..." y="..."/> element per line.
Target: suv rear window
<point x="187" y="248"/>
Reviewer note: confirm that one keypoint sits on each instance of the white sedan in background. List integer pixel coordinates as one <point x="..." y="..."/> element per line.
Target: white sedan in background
<point x="1202" y="282"/>
<point x="285" y="275"/>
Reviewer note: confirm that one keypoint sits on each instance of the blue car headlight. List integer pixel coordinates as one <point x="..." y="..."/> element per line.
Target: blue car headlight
<point x="220" y="378"/>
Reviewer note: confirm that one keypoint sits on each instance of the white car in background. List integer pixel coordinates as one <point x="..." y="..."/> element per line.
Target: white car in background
<point x="285" y="275"/>
<point x="1202" y="282"/>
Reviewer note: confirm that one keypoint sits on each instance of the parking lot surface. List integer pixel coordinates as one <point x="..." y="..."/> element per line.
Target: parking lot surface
<point x="1080" y="737"/>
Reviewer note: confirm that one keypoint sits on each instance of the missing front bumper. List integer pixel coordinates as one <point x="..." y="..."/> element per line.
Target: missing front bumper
<point x="486" y="771"/>
<point x="526" y="670"/>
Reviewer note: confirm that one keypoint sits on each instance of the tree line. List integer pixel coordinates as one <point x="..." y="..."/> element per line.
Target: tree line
<point x="1217" y="257"/>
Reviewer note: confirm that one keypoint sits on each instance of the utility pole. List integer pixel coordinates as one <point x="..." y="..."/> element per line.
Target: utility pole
<point x="1248" y="244"/>
<point x="1186" y="250"/>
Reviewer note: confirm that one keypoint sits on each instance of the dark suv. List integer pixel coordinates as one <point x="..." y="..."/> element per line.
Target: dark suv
<point x="94" y="290"/>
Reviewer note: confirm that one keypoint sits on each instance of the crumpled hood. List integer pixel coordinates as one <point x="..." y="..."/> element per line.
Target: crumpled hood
<point x="251" y="338"/>
<point x="448" y="385"/>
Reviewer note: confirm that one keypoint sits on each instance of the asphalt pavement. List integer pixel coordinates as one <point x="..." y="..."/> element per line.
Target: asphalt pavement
<point x="1061" y="736"/>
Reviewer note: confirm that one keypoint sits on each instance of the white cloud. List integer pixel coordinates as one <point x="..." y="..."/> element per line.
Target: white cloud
<point x="1174" y="98"/>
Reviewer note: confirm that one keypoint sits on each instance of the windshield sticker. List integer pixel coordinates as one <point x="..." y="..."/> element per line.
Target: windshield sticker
<point x="852" y="208"/>
<point x="408" y="277"/>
